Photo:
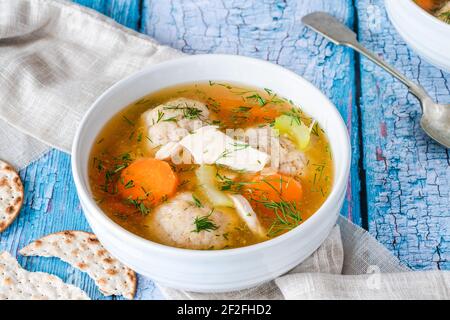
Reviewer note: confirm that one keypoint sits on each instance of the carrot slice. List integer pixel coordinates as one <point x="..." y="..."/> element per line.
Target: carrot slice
<point x="274" y="188"/>
<point x="147" y="179"/>
<point x="236" y="111"/>
<point x="428" y="5"/>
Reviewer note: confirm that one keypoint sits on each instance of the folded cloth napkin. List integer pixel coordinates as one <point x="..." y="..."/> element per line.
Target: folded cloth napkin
<point x="57" y="57"/>
<point x="350" y="264"/>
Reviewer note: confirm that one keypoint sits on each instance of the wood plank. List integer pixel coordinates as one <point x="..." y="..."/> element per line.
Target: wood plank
<point x="269" y="30"/>
<point x="51" y="203"/>
<point x="126" y="12"/>
<point x="50" y="206"/>
<point x="407" y="173"/>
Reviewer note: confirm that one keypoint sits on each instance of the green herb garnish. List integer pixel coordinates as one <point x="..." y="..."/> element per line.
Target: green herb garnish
<point x="204" y="223"/>
<point x="287" y="216"/>
<point x="197" y="202"/>
<point x="227" y="184"/>
<point x="172" y="119"/>
<point x="129" y="184"/>
<point x="160" y="116"/>
<point x="131" y="123"/>
<point x="261" y="101"/>
<point x="139" y="205"/>
<point x="445" y="16"/>
<point x="188" y="112"/>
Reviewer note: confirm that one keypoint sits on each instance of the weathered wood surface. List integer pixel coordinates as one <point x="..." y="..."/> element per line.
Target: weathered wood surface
<point x="269" y="30"/>
<point x="126" y="12"/>
<point x="408" y="175"/>
<point x="51" y="203"/>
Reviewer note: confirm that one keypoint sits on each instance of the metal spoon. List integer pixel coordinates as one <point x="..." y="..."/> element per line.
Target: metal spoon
<point x="435" y="120"/>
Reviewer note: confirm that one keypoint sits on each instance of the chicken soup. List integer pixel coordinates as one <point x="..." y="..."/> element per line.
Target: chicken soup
<point x="438" y="8"/>
<point x="211" y="166"/>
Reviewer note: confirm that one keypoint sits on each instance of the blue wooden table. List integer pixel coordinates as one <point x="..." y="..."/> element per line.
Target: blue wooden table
<point x="399" y="185"/>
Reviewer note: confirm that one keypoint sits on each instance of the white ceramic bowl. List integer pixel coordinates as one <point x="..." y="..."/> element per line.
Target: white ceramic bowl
<point x="221" y="270"/>
<point x="428" y="36"/>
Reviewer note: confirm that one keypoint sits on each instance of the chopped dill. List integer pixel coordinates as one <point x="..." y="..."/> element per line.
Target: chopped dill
<point x="315" y="129"/>
<point x="183" y="183"/>
<point x="269" y="92"/>
<point x="211" y="83"/>
<point x="197" y="202"/>
<point x="131" y="123"/>
<point x="318" y="172"/>
<point x="160" y="116"/>
<point x="445" y="16"/>
<point x="143" y="101"/>
<point x="125" y="157"/>
<point x="287" y="216"/>
<point x="190" y="113"/>
<point x="204" y="223"/>
<point x="172" y="119"/>
<point x="139" y="205"/>
<point x="111" y="177"/>
<point x="120" y="167"/>
<point x="295" y="114"/>
<point x="213" y="105"/>
<point x="227" y="184"/>
<point x="121" y="216"/>
<point x="243" y="109"/>
<point x="98" y="164"/>
<point x="129" y="184"/>
<point x="236" y="147"/>
<point x="261" y="101"/>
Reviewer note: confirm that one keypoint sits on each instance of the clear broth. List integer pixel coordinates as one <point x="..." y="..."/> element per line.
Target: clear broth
<point x="124" y="134"/>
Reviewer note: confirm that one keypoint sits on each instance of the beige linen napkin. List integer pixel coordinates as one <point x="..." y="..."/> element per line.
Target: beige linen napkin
<point x="56" y="58"/>
<point x="350" y="264"/>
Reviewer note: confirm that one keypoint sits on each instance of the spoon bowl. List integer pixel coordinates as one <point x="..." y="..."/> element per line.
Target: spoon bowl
<point x="435" y="120"/>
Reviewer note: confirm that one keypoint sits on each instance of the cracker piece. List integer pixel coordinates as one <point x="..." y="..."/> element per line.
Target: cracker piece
<point x="19" y="284"/>
<point x="82" y="250"/>
<point x="11" y="195"/>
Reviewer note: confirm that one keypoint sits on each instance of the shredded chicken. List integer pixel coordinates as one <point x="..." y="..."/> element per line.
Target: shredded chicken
<point x="173" y="120"/>
<point x="284" y="156"/>
<point x="245" y="211"/>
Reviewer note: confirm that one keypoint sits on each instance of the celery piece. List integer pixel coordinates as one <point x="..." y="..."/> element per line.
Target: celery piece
<point x="206" y="175"/>
<point x="295" y="129"/>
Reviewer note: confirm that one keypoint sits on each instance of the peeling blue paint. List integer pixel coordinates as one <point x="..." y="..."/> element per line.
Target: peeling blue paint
<point x="407" y="174"/>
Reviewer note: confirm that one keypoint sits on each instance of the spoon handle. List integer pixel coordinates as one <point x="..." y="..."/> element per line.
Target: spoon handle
<point x="340" y="34"/>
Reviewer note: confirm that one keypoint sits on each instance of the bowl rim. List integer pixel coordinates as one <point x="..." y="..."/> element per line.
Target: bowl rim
<point x="424" y="13"/>
<point x="95" y="212"/>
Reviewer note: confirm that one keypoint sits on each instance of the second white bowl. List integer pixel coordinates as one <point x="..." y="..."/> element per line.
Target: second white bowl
<point x="428" y="36"/>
